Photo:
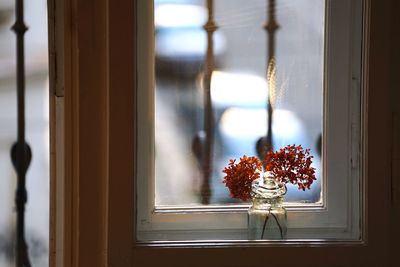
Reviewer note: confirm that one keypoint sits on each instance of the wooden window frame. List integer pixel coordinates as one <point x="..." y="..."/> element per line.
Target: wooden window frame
<point x="337" y="216"/>
<point x="93" y="81"/>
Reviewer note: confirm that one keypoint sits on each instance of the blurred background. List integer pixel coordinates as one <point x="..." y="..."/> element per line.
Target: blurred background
<point x="37" y="131"/>
<point x="239" y="90"/>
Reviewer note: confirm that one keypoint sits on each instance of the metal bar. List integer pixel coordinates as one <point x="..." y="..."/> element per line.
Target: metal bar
<point x="20" y="152"/>
<point x="265" y="144"/>
<point x="207" y="165"/>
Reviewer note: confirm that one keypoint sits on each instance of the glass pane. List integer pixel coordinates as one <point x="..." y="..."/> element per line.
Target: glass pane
<point x="37" y="133"/>
<point x="239" y="91"/>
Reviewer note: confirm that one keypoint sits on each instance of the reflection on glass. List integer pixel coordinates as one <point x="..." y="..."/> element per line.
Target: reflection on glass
<point x="239" y="90"/>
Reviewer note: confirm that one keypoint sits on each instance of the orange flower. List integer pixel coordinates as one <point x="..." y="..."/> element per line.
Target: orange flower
<point x="239" y="176"/>
<point x="292" y="164"/>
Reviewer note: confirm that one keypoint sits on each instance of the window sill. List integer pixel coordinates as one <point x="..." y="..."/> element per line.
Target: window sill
<point x="253" y="243"/>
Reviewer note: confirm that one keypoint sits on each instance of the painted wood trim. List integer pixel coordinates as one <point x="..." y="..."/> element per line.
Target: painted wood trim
<point x="78" y="191"/>
<point x="122" y="81"/>
<point x="89" y="110"/>
<point x="59" y="67"/>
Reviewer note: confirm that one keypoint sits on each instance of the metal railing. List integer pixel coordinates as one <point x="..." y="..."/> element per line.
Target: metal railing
<point x="204" y="140"/>
<point x="21" y="153"/>
<point x="265" y="144"/>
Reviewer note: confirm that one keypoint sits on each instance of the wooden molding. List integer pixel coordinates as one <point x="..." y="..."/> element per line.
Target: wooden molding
<point x="122" y="82"/>
<point x="78" y="191"/>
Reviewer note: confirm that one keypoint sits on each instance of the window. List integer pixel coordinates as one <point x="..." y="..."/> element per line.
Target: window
<point x="239" y="91"/>
<point x="92" y="218"/>
<point x="337" y="214"/>
<point x="37" y="133"/>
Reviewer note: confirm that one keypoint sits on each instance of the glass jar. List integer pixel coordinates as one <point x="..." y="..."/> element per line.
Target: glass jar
<point x="267" y="218"/>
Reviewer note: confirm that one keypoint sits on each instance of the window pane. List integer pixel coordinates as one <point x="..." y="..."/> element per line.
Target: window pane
<point x="239" y="91"/>
<point x="37" y="133"/>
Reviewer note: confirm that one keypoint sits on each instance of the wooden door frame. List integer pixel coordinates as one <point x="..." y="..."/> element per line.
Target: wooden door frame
<point x="92" y="79"/>
<point x="80" y="106"/>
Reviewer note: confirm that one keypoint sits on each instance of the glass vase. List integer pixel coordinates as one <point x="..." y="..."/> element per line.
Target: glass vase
<point x="267" y="218"/>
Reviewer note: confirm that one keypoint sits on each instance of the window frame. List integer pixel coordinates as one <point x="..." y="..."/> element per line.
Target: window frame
<point x="92" y="212"/>
<point x="342" y="135"/>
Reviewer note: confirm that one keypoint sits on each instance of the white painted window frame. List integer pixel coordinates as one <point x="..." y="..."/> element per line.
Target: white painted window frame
<point x="339" y="217"/>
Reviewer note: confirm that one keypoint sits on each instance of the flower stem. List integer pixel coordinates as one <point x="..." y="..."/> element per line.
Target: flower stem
<point x="279" y="225"/>
<point x="265" y="223"/>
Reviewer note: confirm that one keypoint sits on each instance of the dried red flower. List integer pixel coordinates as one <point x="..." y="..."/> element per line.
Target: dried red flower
<point x="239" y="176"/>
<point x="292" y="164"/>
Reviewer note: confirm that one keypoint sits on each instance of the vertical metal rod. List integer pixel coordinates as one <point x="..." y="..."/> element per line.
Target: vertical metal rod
<point x="210" y="28"/>
<point x="20" y="152"/>
<point x="265" y="144"/>
<point x="271" y="28"/>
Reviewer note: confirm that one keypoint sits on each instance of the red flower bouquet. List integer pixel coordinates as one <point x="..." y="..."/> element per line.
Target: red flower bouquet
<point x="291" y="164"/>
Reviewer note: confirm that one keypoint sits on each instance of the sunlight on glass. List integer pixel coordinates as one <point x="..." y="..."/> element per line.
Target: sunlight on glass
<point x="170" y="15"/>
<point x="271" y="77"/>
<point x="242" y="123"/>
<point x="238" y="89"/>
